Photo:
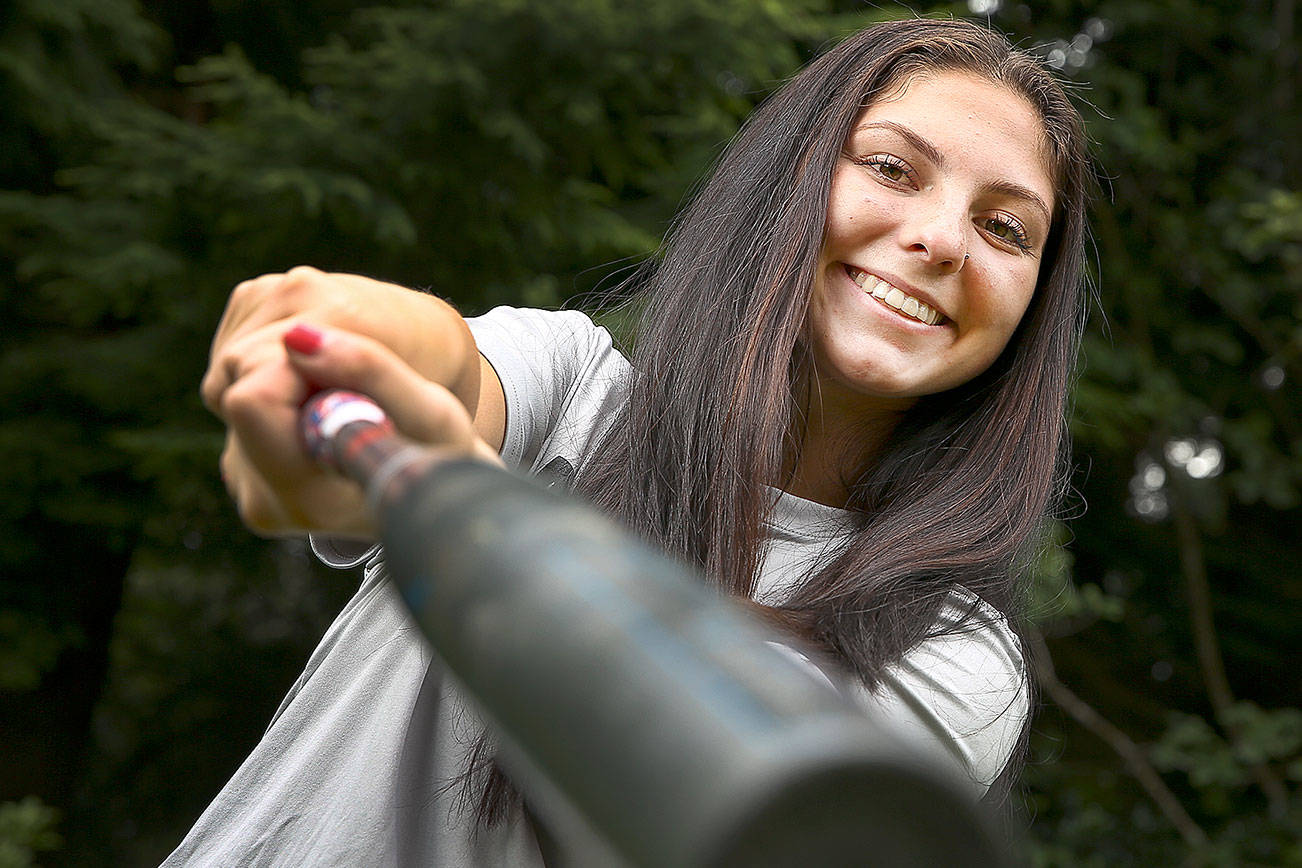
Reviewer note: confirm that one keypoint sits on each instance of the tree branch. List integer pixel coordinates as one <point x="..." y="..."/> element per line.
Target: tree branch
<point x="1284" y="56"/>
<point x="1193" y="569"/>
<point x="1132" y="754"/>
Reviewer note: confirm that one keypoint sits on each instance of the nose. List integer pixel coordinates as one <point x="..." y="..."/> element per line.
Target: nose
<point x="939" y="237"/>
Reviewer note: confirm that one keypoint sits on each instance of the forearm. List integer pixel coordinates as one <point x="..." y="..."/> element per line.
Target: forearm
<point x="432" y="337"/>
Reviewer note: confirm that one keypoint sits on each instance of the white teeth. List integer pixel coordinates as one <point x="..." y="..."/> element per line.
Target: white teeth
<point x="905" y="304"/>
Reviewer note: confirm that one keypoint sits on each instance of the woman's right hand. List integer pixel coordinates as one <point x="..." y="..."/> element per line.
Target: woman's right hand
<point x="252" y="386"/>
<point x="423" y="330"/>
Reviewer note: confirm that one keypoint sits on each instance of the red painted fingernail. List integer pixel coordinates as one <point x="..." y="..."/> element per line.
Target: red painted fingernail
<point x="303" y="339"/>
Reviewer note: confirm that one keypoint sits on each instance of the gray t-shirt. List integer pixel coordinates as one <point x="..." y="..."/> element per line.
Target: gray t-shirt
<point x="335" y="775"/>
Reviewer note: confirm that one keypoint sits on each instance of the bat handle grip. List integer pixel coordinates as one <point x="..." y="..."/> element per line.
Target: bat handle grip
<point x="350" y="434"/>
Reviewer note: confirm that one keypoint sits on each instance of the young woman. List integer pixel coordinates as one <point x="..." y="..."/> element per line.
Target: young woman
<point x="846" y="403"/>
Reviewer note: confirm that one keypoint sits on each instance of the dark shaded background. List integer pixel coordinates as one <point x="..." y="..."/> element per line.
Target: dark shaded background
<point x="153" y="154"/>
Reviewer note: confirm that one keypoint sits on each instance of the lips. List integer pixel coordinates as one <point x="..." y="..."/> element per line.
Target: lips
<point x="894" y="297"/>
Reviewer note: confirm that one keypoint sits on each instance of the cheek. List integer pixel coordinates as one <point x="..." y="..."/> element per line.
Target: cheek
<point x="822" y="330"/>
<point x="1005" y="320"/>
<point x="1002" y="308"/>
<point x="1009" y="299"/>
<point x="1012" y="314"/>
<point x="826" y="324"/>
<point x="854" y="208"/>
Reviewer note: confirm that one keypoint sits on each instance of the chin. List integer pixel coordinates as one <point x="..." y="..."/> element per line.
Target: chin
<point x="873" y="393"/>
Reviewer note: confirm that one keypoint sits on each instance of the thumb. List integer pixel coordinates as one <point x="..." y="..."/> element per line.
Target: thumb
<point x="421" y="409"/>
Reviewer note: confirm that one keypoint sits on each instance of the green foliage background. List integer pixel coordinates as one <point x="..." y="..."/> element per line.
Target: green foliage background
<point x="153" y="154"/>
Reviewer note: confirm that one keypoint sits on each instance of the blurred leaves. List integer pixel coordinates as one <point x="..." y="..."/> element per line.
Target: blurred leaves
<point x="1193" y="111"/>
<point x="29" y="648"/>
<point x="27" y="827"/>
<point x="1191" y="745"/>
<point x="1057" y="602"/>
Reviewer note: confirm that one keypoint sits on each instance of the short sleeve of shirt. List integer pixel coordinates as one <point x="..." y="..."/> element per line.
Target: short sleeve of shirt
<point x="563" y="380"/>
<point x="342" y="554"/>
<point x="964" y="694"/>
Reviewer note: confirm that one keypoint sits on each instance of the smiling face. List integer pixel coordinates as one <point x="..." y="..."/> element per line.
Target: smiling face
<point x="937" y="220"/>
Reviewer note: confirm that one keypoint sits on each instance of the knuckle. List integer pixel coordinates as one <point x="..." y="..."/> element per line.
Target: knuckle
<point x="217" y="383"/>
<point x="223" y="357"/>
<point x="226" y="462"/>
<point x="244" y="400"/>
<point x="248" y="291"/>
<point x="303" y="272"/>
<point x="210" y="391"/>
<point x="273" y="288"/>
<point x="299" y="279"/>
<point x="247" y="297"/>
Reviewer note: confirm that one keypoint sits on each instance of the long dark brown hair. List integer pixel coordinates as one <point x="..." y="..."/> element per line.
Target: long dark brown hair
<point x="721" y="362"/>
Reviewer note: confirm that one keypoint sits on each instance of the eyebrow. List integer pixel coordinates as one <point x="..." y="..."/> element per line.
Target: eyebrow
<point x="1017" y="191"/>
<point x="928" y="150"/>
<point x="918" y="142"/>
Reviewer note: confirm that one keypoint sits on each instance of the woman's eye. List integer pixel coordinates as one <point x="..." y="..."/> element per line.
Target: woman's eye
<point x="891" y="168"/>
<point x="1008" y="230"/>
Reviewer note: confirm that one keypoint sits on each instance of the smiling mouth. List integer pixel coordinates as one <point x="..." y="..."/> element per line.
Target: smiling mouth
<point x="894" y="298"/>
